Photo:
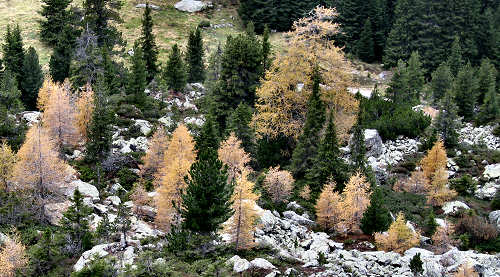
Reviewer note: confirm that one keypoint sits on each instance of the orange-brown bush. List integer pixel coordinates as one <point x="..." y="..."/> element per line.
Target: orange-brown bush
<point x="477" y="227"/>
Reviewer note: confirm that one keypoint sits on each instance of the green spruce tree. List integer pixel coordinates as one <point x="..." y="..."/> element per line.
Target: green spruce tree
<point x="441" y="82"/>
<point x="239" y="123"/>
<point x="100" y="16"/>
<point x="490" y="109"/>
<point x="208" y="137"/>
<point x="32" y="79"/>
<point x="56" y="17"/>
<point x="206" y="203"/>
<point x="486" y="77"/>
<point x="376" y="218"/>
<point x="194" y="57"/>
<point x="416" y="78"/>
<point x="99" y="130"/>
<point x="400" y="37"/>
<point x="465" y="89"/>
<point x="110" y="81"/>
<point x="455" y="60"/>
<point x="174" y="74"/>
<point x="308" y="144"/>
<point x="399" y="91"/>
<point x="137" y="78"/>
<point x="13" y="52"/>
<point x="148" y="44"/>
<point x="327" y="163"/>
<point x="60" y="62"/>
<point x="266" y="49"/>
<point x="358" y="148"/>
<point x="365" y="46"/>
<point x="447" y="122"/>
<point x="75" y="224"/>
<point x="430" y="224"/>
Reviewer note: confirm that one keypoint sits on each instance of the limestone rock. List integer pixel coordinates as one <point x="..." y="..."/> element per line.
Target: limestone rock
<point x="487" y="191"/>
<point x="143" y="6"/>
<point x="191" y="6"/>
<point x="453" y="207"/>
<point x="86" y="189"/>
<point x="144" y="125"/>
<point x="239" y="264"/>
<point x="262" y="264"/>
<point x="54" y="211"/>
<point x="494" y="218"/>
<point x="492" y="171"/>
<point x="98" y="251"/>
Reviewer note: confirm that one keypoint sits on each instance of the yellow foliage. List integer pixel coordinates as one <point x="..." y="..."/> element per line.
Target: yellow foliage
<point x="241" y="225"/>
<point x="399" y="237"/>
<point x="355" y="200"/>
<point x="39" y="168"/>
<point x="155" y="156"/>
<point x="178" y="158"/>
<point x="12" y="257"/>
<point x="328" y="207"/>
<point x="434" y="160"/>
<point x="7" y="161"/>
<point x="59" y="117"/>
<point x="281" y="106"/>
<point x="278" y="183"/>
<point x="466" y="270"/>
<point x="234" y="156"/>
<point x="417" y="183"/>
<point x="305" y="193"/>
<point x="85" y="108"/>
<point x="43" y="94"/>
<point x="140" y="198"/>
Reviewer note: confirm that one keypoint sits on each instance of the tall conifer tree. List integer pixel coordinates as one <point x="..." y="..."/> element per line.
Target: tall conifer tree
<point x="13" y="52"/>
<point x="56" y="19"/>
<point x="137" y="78"/>
<point x="194" y="57"/>
<point x="328" y="162"/>
<point x="307" y="145"/>
<point x="465" y="89"/>
<point x="148" y="44"/>
<point x="376" y="217"/>
<point x="174" y="74"/>
<point x="447" y="122"/>
<point x="365" y="47"/>
<point x="441" y="82"/>
<point x="32" y="79"/>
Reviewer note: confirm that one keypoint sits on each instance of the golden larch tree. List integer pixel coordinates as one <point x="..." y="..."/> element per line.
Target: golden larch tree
<point x="434" y="160"/>
<point x="398" y="238"/>
<point x="234" y="156"/>
<point x="328" y="207"/>
<point x="13" y="257"/>
<point x="278" y="184"/>
<point x="43" y="94"/>
<point x="241" y="225"/>
<point x="39" y="168"/>
<point x="417" y="183"/>
<point x="59" y="117"/>
<point x="434" y="168"/>
<point x="281" y="106"/>
<point x="7" y="162"/>
<point x="355" y="200"/>
<point x="85" y="108"/>
<point x="178" y="158"/>
<point x="155" y="156"/>
<point x="305" y="193"/>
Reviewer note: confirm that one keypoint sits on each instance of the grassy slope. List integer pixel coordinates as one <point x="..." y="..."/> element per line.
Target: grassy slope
<point x="171" y="25"/>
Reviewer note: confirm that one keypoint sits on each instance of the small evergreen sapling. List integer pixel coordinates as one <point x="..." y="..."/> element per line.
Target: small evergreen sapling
<point x="174" y="74"/>
<point x="75" y="223"/>
<point x="416" y="264"/>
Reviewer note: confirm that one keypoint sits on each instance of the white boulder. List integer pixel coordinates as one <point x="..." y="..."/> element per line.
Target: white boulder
<point x="31" y="117"/>
<point x="144" y="125"/>
<point x="487" y="191"/>
<point x="86" y="189"/>
<point x="262" y="264"/>
<point x="191" y="6"/>
<point x="492" y="171"/>
<point x="143" y="6"/>
<point x="239" y="264"/>
<point x="54" y="211"/>
<point x="97" y="251"/>
<point x="494" y="218"/>
<point x="453" y="207"/>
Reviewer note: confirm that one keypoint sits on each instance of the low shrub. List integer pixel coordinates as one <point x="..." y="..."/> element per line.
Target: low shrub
<point x="127" y="178"/>
<point x="478" y="228"/>
<point x="465" y="185"/>
<point x="204" y="24"/>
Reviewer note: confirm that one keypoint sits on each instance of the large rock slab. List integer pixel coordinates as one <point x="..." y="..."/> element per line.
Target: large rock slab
<point x="97" y="251"/>
<point x="492" y="171"/>
<point x="86" y="189"/>
<point x="261" y="263"/>
<point x="494" y="218"/>
<point x="453" y="207"/>
<point x="239" y="264"/>
<point x="191" y="6"/>
<point x="54" y="211"/>
<point x="373" y="143"/>
<point x="487" y="191"/>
